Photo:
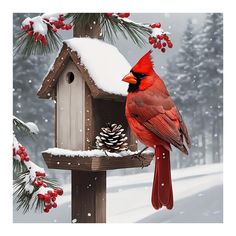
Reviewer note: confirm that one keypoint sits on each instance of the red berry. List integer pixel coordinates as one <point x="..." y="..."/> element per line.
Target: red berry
<point x="44" y="185"/>
<point x="108" y="14"/>
<point x="151" y="40"/>
<point x="54" y="194"/>
<point x="165" y="37"/>
<point x="159" y="45"/>
<point x="68" y="27"/>
<point x="158" y="25"/>
<point x="40" y="196"/>
<point x="63" y="27"/>
<point x="54" y="205"/>
<point x="152" y="25"/>
<point x="24" y="153"/>
<point x="39" y="174"/>
<point x="47" y="198"/>
<point x="40" y="182"/>
<point x="160" y="37"/>
<point x="164" y="44"/>
<point x="50" y="192"/>
<point x="43" y="40"/>
<point x="59" y="191"/>
<point x="126" y="15"/>
<point x="54" y="199"/>
<point x="22" y="148"/>
<point x="170" y="45"/>
<point x="54" y="30"/>
<point x="49" y="206"/>
<point x="155" y="45"/>
<point x="36" y="35"/>
<point x="26" y="27"/>
<point x="46" y="210"/>
<point x="22" y="157"/>
<point x="123" y="15"/>
<point x="19" y="152"/>
<point x="27" y="158"/>
<point x="163" y="50"/>
<point x="36" y="184"/>
<point x="30" y="33"/>
<point x="61" y="18"/>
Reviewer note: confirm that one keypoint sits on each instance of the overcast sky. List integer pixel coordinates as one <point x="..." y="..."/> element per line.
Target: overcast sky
<point x="175" y="23"/>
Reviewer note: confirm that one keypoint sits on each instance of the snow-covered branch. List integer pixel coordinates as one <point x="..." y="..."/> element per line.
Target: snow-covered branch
<point x="31" y="185"/>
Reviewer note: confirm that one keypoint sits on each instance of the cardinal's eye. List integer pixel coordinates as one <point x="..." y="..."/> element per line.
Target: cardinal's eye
<point x="138" y="75"/>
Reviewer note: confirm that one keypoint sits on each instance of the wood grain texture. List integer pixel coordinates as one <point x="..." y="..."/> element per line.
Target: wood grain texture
<point x="70" y="109"/>
<point x="95" y="163"/>
<point x="89" y="197"/>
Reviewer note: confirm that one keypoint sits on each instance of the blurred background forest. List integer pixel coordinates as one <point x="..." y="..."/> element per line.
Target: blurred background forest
<point x="192" y="71"/>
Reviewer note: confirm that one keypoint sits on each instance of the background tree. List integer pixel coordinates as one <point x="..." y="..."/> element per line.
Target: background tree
<point x="196" y="76"/>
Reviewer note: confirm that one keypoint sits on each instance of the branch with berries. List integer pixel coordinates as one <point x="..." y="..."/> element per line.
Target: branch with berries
<point x="158" y="38"/>
<point x="39" y="35"/>
<point x="32" y="188"/>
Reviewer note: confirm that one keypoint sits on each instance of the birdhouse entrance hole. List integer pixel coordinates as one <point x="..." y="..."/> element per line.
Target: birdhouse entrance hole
<point x="70" y="77"/>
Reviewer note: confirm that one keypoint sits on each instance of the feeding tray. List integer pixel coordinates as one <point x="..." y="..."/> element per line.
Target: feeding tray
<point x="94" y="160"/>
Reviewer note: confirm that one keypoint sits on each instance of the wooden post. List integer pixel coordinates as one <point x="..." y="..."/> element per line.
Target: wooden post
<point x="88" y="188"/>
<point x="88" y="197"/>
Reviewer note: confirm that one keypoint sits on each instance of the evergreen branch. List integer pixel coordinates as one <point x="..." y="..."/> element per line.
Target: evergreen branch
<point x="26" y="44"/>
<point x="111" y="26"/>
<point x="18" y="166"/>
<point x="136" y="32"/>
<point x="20" y="127"/>
<point x="83" y="19"/>
<point x="25" y="199"/>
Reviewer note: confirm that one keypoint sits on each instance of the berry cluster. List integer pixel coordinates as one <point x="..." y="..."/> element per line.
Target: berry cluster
<point x="161" y="40"/>
<point x="21" y="152"/>
<point x="58" y="24"/>
<point x="121" y="15"/>
<point x="38" y="181"/>
<point x="49" y="198"/>
<point x="52" y="25"/>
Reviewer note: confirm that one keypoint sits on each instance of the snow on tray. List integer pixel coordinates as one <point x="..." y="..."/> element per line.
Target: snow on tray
<point x="89" y="153"/>
<point x="105" y="64"/>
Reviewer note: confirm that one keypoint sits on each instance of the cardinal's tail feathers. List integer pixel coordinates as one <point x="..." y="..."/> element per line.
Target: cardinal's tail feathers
<point x="162" y="194"/>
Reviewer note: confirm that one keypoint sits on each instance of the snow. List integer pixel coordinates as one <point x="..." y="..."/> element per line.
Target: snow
<point x="39" y="25"/>
<point x="90" y="153"/>
<point x="105" y="64"/>
<point x="197" y="190"/>
<point x="33" y="168"/>
<point x="51" y="16"/>
<point x="32" y="127"/>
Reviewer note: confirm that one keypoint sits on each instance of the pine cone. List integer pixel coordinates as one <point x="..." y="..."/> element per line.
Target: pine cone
<point x="112" y="139"/>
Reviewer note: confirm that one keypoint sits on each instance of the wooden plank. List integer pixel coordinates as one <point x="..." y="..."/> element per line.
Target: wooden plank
<point x="95" y="163"/>
<point x="89" y="197"/>
<point x="77" y="109"/>
<point x="63" y="112"/>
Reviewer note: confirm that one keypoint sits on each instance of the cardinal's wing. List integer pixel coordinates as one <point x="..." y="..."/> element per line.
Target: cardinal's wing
<point x="158" y="113"/>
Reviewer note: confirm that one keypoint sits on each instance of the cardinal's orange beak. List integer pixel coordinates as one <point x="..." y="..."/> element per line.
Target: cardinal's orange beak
<point x="129" y="78"/>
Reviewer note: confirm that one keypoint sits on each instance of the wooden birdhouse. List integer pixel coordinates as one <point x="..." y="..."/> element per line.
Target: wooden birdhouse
<point x="85" y="83"/>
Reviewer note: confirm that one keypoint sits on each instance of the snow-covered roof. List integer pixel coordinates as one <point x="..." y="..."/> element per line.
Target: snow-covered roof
<point x="103" y="63"/>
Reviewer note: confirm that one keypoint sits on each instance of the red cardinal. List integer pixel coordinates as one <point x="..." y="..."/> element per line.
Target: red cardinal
<point x="157" y="123"/>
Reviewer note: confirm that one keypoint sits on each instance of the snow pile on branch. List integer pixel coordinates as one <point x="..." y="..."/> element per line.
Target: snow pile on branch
<point x="90" y="153"/>
<point x="29" y="126"/>
<point x="105" y="64"/>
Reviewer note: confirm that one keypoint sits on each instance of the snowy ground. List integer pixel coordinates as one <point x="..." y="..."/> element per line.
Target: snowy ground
<point x="198" y="193"/>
